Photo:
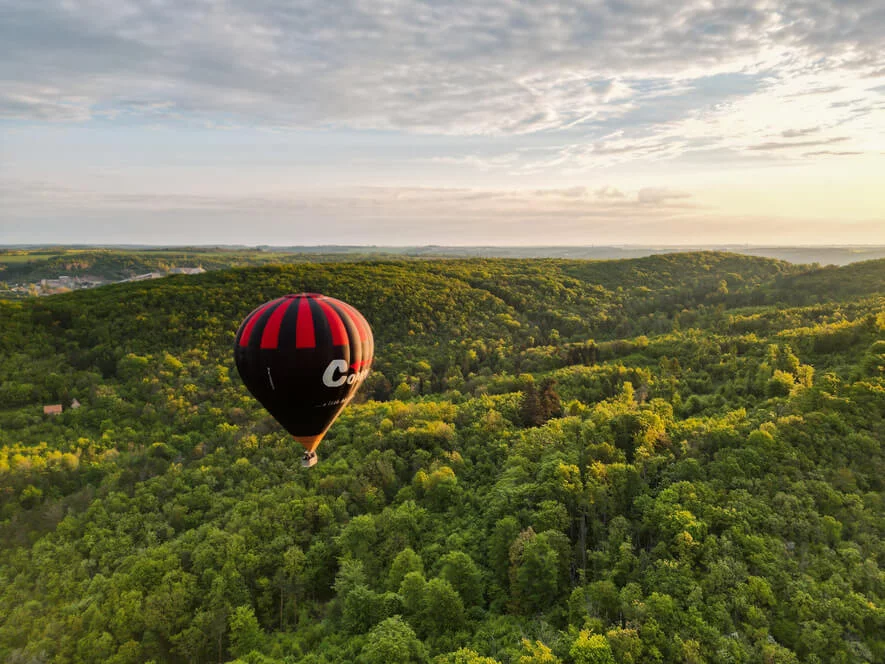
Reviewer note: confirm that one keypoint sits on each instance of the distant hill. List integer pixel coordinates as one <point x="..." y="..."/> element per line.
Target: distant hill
<point x="452" y="304"/>
<point x="22" y="266"/>
<point x="833" y="283"/>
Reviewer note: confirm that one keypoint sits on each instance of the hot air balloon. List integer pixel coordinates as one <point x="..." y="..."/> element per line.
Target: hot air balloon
<point x="303" y="357"/>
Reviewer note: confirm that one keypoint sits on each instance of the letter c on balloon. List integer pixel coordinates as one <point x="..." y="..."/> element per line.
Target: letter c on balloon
<point x="329" y="379"/>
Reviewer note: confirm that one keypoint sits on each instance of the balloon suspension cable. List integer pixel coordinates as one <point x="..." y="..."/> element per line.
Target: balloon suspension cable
<point x="309" y="459"/>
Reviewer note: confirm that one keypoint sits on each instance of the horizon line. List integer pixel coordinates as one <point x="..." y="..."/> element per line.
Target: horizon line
<point x="62" y="245"/>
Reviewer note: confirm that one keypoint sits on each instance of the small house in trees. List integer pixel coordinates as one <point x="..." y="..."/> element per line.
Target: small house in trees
<point x="54" y="409"/>
<point x="75" y="404"/>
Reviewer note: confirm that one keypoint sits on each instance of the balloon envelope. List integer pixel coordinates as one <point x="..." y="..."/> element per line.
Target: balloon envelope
<point x="303" y="357"/>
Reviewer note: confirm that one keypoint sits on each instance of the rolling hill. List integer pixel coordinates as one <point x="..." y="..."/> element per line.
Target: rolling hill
<point x="676" y="458"/>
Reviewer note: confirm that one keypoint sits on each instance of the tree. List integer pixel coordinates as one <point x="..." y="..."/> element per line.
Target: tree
<point x="626" y="645"/>
<point x="406" y="561"/>
<point x="537" y="653"/>
<point x="441" y="488"/>
<point x="464" y="656"/>
<point x="465" y="577"/>
<point x="412" y="591"/>
<point x="350" y="575"/>
<point x="591" y="649"/>
<point x="392" y="640"/>
<point x="444" y="610"/>
<point x="873" y="363"/>
<point x="361" y="610"/>
<point x="245" y="633"/>
<point x="780" y="384"/>
<point x="506" y="530"/>
<point x="364" y="608"/>
<point x="294" y="562"/>
<point x="604" y="599"/>
<point x="359" y="537"/>
<point x="530" y="411"/>
<point x="548" y="400"/>
<point x="534" y="573"/>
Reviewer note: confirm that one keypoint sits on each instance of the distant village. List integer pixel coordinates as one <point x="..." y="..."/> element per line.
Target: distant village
<point x="66" y="283"/>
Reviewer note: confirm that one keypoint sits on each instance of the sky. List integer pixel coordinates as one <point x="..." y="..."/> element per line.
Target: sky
<point x="395" y="122"/>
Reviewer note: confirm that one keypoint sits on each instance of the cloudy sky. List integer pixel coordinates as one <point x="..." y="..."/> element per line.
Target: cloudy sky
<point x="442" y="122"/>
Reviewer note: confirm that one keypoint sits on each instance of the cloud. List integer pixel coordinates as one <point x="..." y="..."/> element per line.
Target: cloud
<point x="487" y="163"/>
<point x="387" y="215"/>
<point x="658" y="196"/>
<point x="20" y="196"/>
<point x="499" y="67"/>
<point x="609" y="193"/>
<point x="795" y="133"/>
<point x="832" y="153"/>
<point x="43" y="105"/>
<point x="775" y="145"/>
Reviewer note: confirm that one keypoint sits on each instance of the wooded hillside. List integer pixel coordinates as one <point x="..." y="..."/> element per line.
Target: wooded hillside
<point x="670" y="459"/>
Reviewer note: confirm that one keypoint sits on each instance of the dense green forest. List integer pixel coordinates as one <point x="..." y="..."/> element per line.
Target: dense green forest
<point x="669" y="459"/>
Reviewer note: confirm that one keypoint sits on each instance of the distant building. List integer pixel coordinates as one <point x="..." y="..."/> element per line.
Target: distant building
<point x="186" y="270"/>
<point x="90" y="281"/>
<point x="146" y="276"/>
<point x="54" y="409"/>
<point x="75" y="404"/>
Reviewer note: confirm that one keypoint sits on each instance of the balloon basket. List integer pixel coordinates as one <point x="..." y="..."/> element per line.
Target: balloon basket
<point x="309" y="459"/>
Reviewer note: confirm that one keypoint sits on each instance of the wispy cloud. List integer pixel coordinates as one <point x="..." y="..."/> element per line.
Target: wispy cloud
<point x="784" y="145"/>
<point x="504" y="66"/>
<point x="404" y="215"/>
<point x="658" y="196"/>
<point x="609" y="193"/>
<point x="795" y="133"/>
<point x="20" y="195"/>
<point x="831" y="153"/>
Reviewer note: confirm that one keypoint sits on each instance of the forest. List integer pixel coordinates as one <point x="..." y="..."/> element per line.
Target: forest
<point x="674" y="459"/>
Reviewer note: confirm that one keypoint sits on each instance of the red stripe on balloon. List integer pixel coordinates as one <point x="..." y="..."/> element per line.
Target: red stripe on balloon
<point x="270" y="337"/>
<point x="305" y="337"/>
<point x="247" y="331"/>
<point x="339" y="332"/>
